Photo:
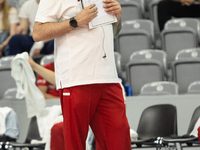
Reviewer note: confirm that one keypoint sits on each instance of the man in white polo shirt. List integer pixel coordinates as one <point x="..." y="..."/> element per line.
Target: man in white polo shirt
<point x="85" y="71"/>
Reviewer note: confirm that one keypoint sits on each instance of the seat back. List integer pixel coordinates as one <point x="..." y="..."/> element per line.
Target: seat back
<point x="142" y="71"/>
<point x="130" y="10"/>
<point x="158" y="121"/>
<point x="11" y="94"/>
<point x="33" y="131"/>
<point x="154" y="14"/>
<point x="176" y="39"/>
<point x="6" y="61"/>
<point x="144" y="24"/>
<point x="159" y="88"/>
<point x="193" y="23"/>
<point x="185" y="71"/>
<point x="129" y="41"/>
<point x="188" y="53"/>
<point x="6" y="80"/>
<point x="194" y="88"/>
<point x="159" y="55"/>
<point x="142" y="5"/>
<point x="47" y="59"/>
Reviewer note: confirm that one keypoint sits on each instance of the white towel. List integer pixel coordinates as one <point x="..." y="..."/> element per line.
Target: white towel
<point x="25" y="81"/>
<point x="133" y="135"/>
<point x="3" y="114"/>
<point x="195" y="130"/>
<point x="46" y="120"/>
<point x="48" y="137"/>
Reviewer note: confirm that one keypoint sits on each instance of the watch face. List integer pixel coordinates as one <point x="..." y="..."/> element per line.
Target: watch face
<point x="73" y="23"/>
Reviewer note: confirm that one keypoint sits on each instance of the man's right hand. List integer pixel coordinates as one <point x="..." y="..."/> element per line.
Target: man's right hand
<point x="86" y="15"/>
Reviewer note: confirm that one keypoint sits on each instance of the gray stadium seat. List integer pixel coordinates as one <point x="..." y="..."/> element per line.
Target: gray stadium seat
<point x="188" y="53"/>
<point x="144" y="24"/>
<point x="194" y="88"/>
<point x="153" y="14"/>
<point x="6" y="61"/>
<point x="142" y="71"/>
<point x="185" y="22"/>
<point x="159" y="55"/>
<point x="131" y="40"/>
<point x="11" y="94"/>
<point x="176" y="39"/>
<point x="130" y="10"/>
<point x="142" y="5"/>
<point x="159" y="88"/>
<point x="186" y="71"/>
<point x="6" y="80"/>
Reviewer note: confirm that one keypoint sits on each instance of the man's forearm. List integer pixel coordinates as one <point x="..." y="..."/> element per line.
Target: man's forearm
<point x="50" y="30"/>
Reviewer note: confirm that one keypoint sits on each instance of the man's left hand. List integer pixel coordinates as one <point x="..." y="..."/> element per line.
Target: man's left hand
<point x="113" y="7"/>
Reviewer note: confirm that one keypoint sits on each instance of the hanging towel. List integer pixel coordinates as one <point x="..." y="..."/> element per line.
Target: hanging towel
<point x="25" y="81"/>
<point x="195" y="129"/>
<point x="45" y="120"/>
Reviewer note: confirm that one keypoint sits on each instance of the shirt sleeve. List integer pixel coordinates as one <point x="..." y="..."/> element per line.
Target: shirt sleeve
<point x="13" y="16"/>
<point x="49" y="11"/>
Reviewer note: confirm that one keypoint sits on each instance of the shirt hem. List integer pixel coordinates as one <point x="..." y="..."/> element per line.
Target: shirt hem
<point x="86" y="83"/>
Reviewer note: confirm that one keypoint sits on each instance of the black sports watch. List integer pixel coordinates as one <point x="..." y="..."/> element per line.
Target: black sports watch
<point x="73" y="22"/>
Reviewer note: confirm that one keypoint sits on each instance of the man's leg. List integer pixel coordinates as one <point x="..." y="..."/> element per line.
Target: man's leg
<point x="109" y="123"/>
<point x="19" y="44"/>
<point x="168" y="9"/>
<point x="78" y="105"/>
<point x="57" y="139"/>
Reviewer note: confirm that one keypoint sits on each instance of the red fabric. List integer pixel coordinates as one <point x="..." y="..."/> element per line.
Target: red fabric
<point x="57" y="139"/>
<point x="42" y="82"/>
<point x="100" y="105"/>
<point x="199" y="134"/>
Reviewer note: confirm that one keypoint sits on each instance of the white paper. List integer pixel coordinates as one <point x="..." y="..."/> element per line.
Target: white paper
<point x="102" y="18"/>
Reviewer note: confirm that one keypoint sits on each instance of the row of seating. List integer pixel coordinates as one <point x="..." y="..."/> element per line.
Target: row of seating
<point x="168" y="88"/>
<point x="147" y="66"/>
<point x="139" y="34"/>
<point x="144" y="67"/>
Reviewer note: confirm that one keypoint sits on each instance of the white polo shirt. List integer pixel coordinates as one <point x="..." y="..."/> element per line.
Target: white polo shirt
<point x="79" y="53"/>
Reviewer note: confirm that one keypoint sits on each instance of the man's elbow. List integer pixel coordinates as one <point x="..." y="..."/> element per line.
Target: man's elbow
<point x="35" y="37"/>
<point x="36" y="33"/>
